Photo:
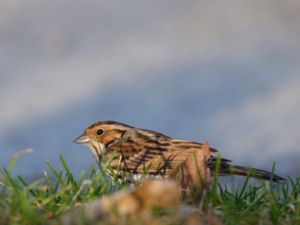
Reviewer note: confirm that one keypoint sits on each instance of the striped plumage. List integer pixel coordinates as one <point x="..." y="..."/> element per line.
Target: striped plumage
<point x="138" y="150"/>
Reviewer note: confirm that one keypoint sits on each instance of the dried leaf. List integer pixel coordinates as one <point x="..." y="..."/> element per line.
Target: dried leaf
<point x="152" y="194"/>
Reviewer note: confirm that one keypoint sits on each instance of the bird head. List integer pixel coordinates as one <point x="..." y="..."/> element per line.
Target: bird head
<point x="102" y="135"/>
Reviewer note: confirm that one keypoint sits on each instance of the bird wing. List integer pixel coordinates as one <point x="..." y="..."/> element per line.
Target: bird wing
<point x="153" y="153"/>
<point x="154" y="161"/>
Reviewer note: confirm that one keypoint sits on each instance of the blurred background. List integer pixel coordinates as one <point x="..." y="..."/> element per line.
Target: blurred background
<point x="226" y="72"/>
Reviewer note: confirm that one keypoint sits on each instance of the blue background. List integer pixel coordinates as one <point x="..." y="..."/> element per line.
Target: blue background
<point x="225" y="72"/>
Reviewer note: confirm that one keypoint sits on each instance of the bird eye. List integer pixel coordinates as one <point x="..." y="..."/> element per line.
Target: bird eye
<point x="100" y="132"/>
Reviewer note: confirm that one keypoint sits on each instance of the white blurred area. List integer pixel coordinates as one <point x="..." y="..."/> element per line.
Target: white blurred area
<point x="223" y="71"/>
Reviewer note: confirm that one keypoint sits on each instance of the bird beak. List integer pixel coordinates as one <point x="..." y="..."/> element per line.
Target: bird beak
<point x="82" y="139"/>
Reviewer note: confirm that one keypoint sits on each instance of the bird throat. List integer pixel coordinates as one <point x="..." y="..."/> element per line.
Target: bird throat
<point x="97" y="149"/>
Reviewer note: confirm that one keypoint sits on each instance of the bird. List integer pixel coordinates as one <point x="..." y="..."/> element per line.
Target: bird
<point x="137" y="150"/>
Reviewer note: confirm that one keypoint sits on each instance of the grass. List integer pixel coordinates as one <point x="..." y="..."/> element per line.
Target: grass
<point x="48" y="199"/>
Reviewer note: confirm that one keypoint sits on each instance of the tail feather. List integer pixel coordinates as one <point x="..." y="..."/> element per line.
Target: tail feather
<point x="248" y="171"/>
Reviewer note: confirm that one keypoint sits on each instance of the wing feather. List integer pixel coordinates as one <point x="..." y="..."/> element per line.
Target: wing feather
<point x="158" y="163"/>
